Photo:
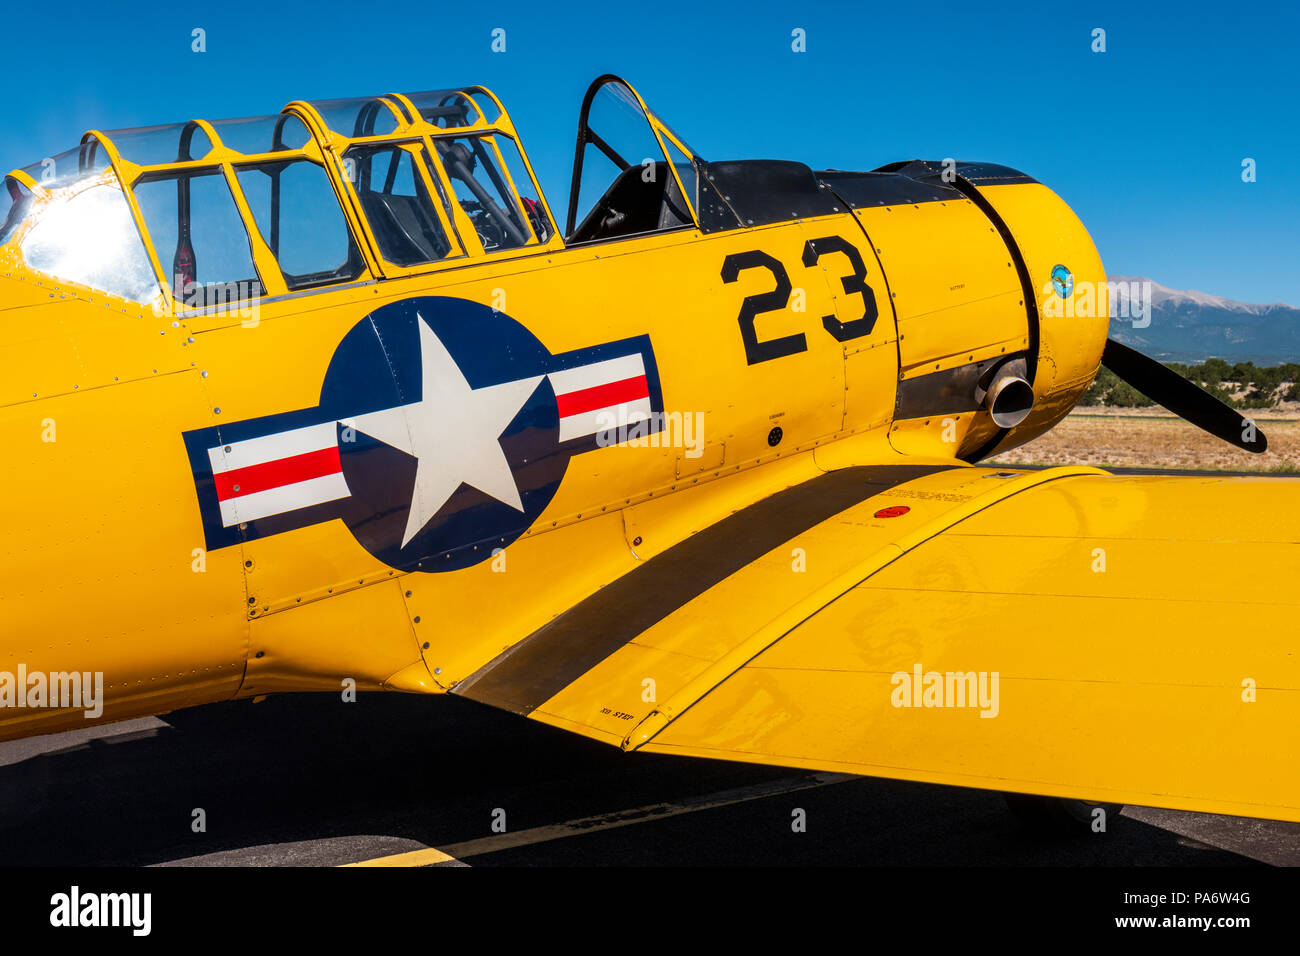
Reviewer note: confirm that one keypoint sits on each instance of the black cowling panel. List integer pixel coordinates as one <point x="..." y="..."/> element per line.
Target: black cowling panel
<point x="761" y="191"/>
<point x="885" y="189"/>
<point x="992" y="174"/>
<point x="754" y="192"/>
<point x="979" y="174"/>
<point x="915" y="181"/>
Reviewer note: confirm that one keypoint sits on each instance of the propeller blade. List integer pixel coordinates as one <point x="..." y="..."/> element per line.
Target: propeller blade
<point x="1185" y="399"/>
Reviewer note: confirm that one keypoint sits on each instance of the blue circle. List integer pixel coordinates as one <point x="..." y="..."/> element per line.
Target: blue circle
<point x="377" y="366"/>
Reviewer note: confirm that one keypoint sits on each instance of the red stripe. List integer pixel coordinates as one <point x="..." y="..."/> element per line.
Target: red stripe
<point x="273" y="474"/>
<point x="602" y="396"/>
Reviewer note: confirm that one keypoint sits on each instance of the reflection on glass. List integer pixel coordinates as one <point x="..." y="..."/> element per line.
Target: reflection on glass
<point x="91" y="239"/>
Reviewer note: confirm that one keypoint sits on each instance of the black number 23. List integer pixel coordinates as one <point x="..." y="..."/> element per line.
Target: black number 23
<point x="779" y="298"/>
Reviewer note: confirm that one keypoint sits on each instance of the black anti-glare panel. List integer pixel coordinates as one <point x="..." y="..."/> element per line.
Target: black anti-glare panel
<point x="862" y="190"/>
<point x="762" y="191"/>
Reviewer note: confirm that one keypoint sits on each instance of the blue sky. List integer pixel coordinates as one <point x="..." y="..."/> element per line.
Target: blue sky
<point x="1145" y="141"/>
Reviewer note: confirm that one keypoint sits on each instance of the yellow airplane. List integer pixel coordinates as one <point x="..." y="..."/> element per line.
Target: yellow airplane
<point x="327" y="401"/>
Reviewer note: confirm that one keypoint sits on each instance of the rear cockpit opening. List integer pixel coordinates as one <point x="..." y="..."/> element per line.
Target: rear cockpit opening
<point x="632" y="175"/>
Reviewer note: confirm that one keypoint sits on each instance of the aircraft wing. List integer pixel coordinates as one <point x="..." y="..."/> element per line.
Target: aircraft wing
<point x="1142" y="631"/>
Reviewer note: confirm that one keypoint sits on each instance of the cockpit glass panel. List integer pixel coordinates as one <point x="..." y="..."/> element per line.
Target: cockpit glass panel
<point x="599" y="174"/>
<point x="263" y="134"/>
<point x="397" y="204"/>
<point x="487" y="107"/>
<point x="365" y="116"/>
<point x="89" y="237"/>
<point x="529" y="194"/>
<point x="15" y="203"/>
<point x="685" y="171"/>
<point x="624" y="184"/>
<point x="623" y="139"/>
<point x="71" y="166"/>
<point x="152" y="145"/>
<point x="298" y="215"/>
<point x="474" y="170"/>
<point x="450" y="109"/>
<point x="687" y="146"/>
<point x="199" y="237"/>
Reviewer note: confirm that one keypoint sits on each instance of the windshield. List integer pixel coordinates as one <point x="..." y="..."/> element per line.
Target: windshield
<point x="87" y="235"/>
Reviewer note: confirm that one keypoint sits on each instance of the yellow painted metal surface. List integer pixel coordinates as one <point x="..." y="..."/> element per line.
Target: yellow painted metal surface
<point x="1117" y="684"/>
<point x="700" y="643"/>
<point x="976" y="311"/>
<point x="1071" y="329"/>
<point x="102" y="571"/>
<point x="1135" y="664"/>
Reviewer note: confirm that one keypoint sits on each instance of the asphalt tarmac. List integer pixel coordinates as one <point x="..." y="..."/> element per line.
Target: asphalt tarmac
<point x="393" y="780"/>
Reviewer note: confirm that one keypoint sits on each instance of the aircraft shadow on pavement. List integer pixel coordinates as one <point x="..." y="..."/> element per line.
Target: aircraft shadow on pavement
<point x="306" y="771"/>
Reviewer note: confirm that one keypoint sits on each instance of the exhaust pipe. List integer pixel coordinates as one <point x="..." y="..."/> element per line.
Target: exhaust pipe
<point x="1006" y="393"/>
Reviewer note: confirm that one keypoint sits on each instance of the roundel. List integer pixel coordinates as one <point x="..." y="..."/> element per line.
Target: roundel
<point x="443" y="431"/>
<point x="457" y="454"/>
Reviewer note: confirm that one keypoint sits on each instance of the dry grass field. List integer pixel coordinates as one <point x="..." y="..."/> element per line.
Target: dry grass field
<point x="1151" y="438"/>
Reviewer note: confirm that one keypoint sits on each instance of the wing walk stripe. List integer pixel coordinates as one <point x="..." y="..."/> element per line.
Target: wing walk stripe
<point x="558" y="653"/>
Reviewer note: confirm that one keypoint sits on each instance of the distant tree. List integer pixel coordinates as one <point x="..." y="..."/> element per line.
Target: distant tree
<point x="1125" y="395"/>
<point x="1224" y="395"/>
<point x="1100" y="388"/>
<point x="1213" y="371"/>
<point x="1263" y="387"/>
<point x="1095" y="395"/>
<point x="1243" y="372"/>
<point x="1267" y="381"/>
<point x="1256" y="398"/>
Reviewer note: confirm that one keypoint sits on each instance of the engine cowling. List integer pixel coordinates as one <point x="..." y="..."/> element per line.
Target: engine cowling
<point x="997" y="290"/>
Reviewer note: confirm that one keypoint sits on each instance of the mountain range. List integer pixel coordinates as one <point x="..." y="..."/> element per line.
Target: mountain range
<point x="1189" y="326"/>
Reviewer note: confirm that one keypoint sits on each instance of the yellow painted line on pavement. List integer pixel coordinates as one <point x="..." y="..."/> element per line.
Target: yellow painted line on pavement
<point x="606" y="821"/>
<point x="426" y="857"/>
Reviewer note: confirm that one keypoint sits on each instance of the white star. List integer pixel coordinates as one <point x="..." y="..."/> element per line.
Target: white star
<point x="453" y="432"/>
